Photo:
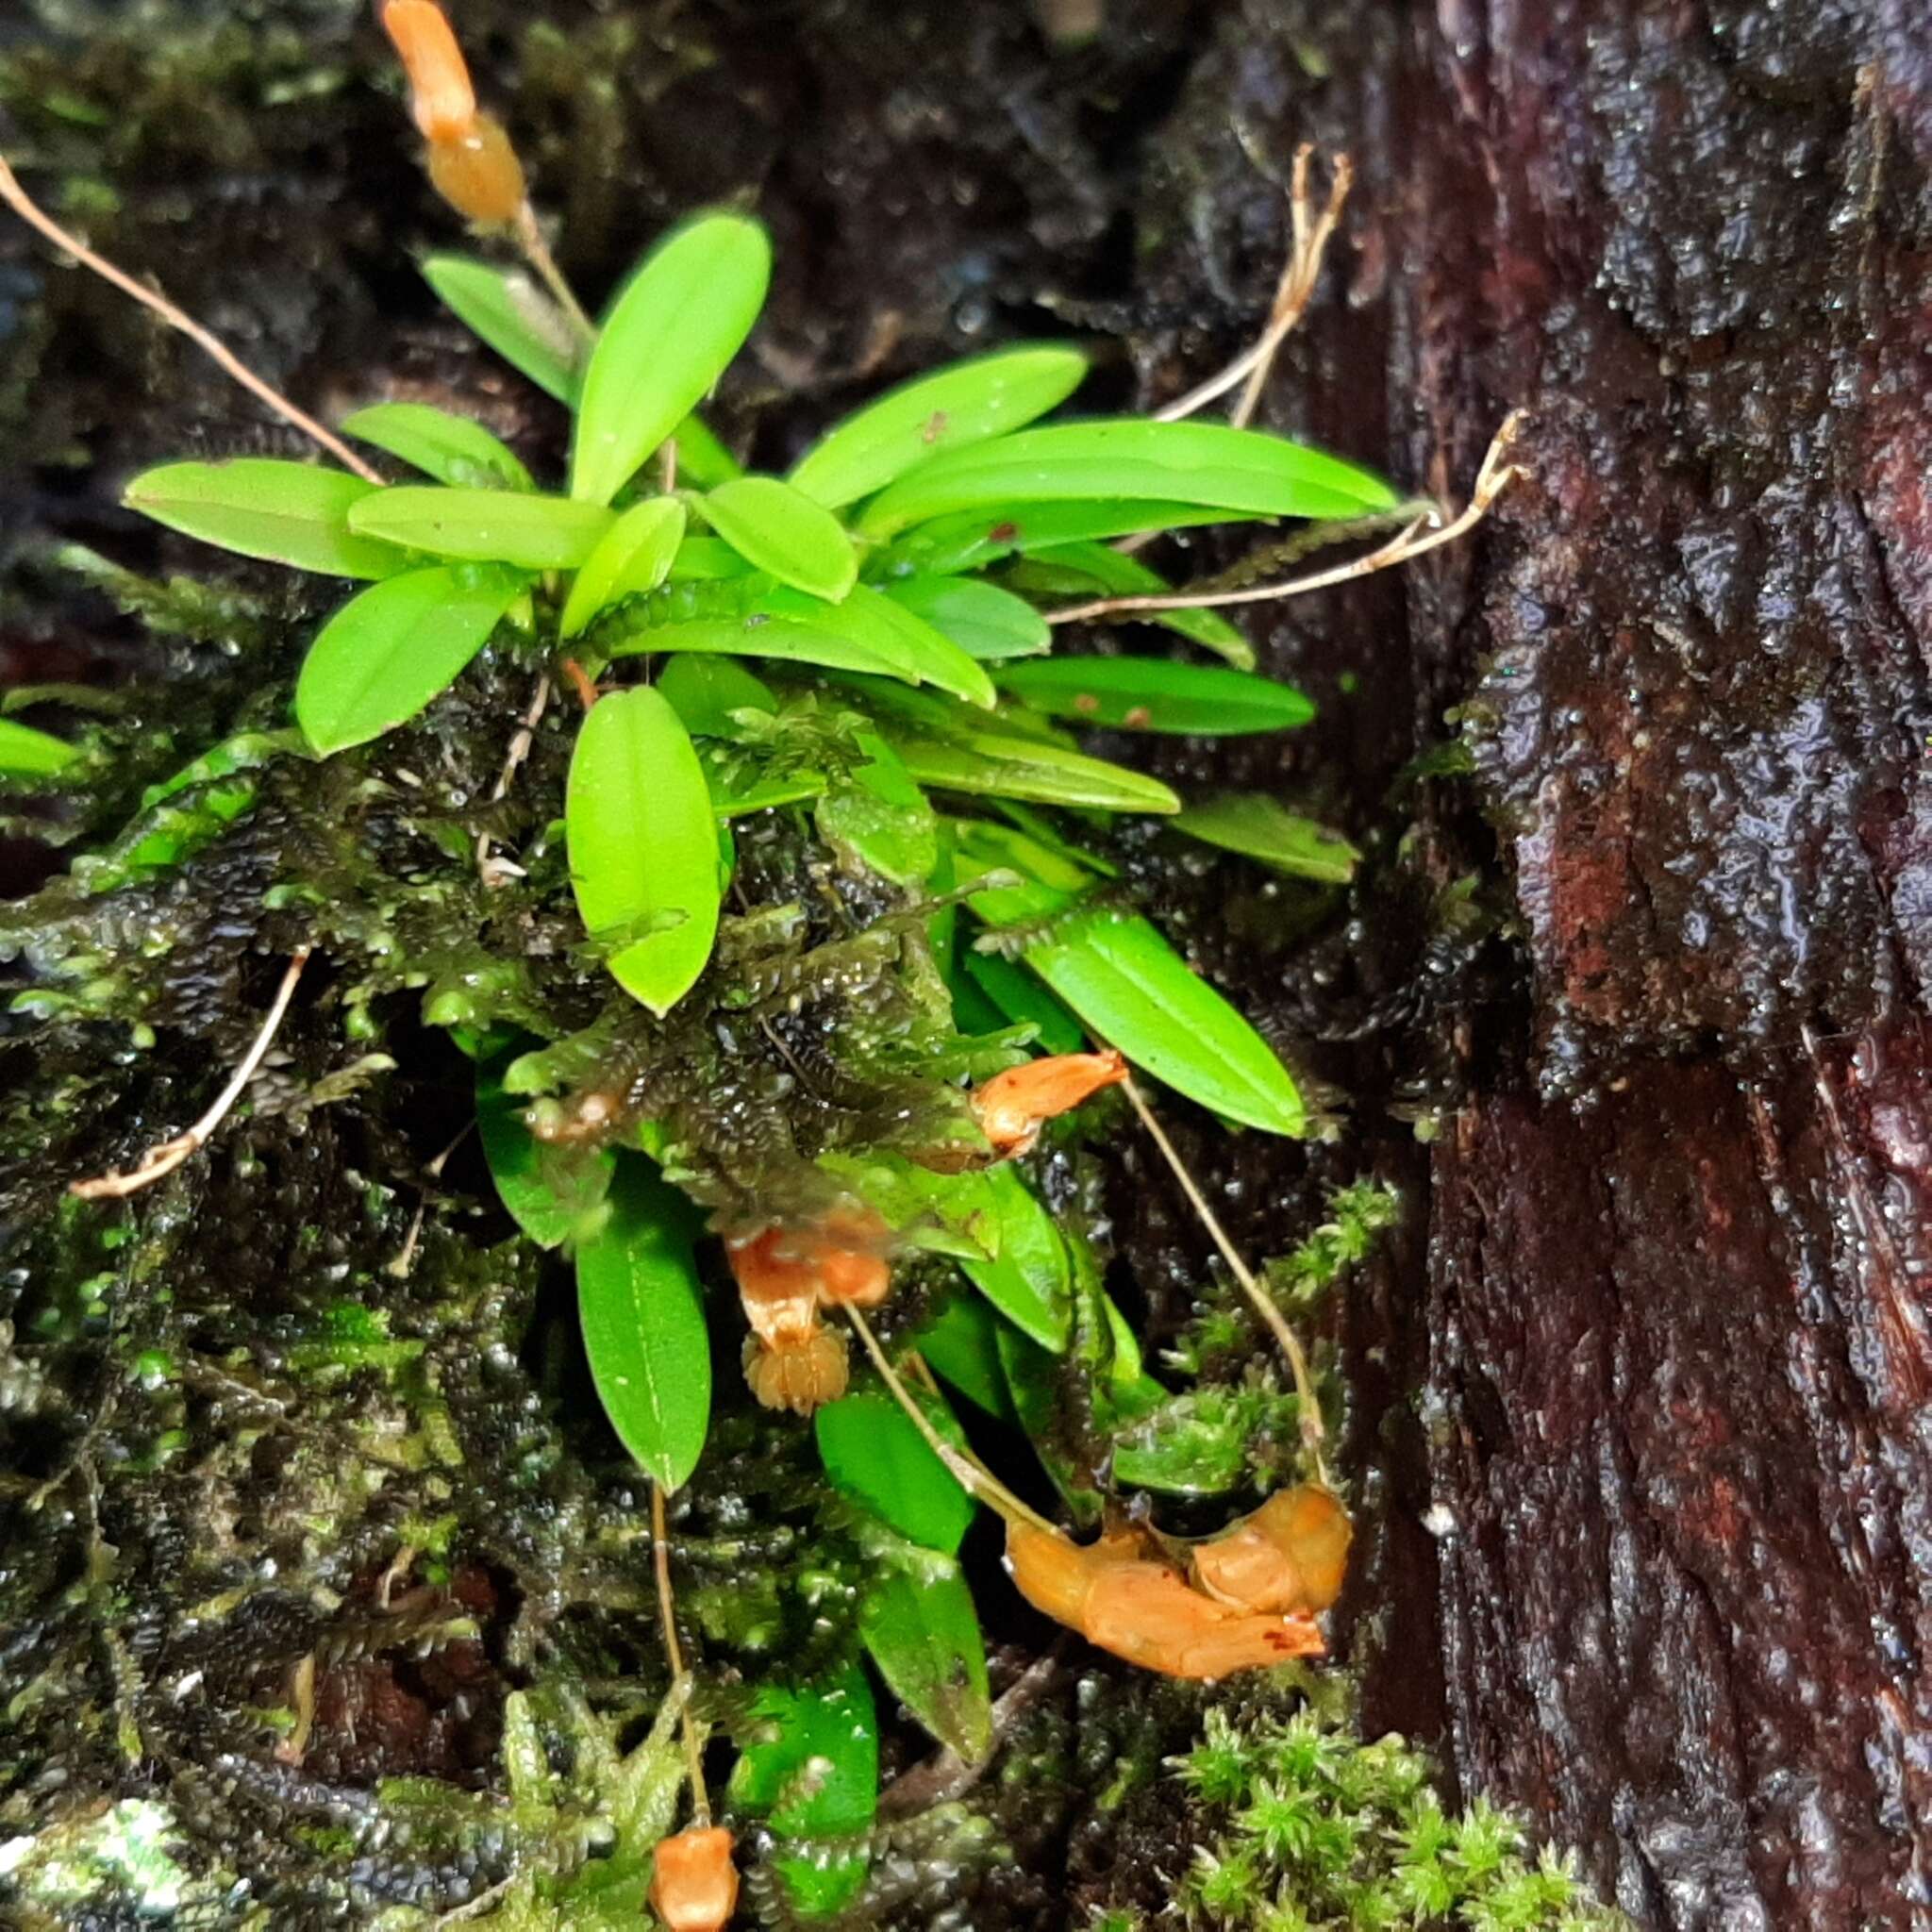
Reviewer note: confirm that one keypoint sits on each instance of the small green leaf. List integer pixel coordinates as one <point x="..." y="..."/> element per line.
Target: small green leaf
<point x="1093" y="568"/>
<point x="293" y="513"/>
<point x="963" y="404"/>
<point x="810" y="1761"/>
<point x="972" y="540"/>
<point x="643" y="1317"/>
<point x="753" y="637"/>
<point x="706" y="692"/>
<point x="674" y="327"/>
<point x="878" y="1458"/>
<point x="1033" y="1377"/>
<point x="555" y="1192"/>
<point x="960" y="1345"/>
<point x="643" y="846"/>
<point x="1261" y="829"/>
<point x="1028" y="1281"/>
<point x="928" y="655"/>
<point x="247" y="751"/>
<point x="703" y="461"/>
<point x="391" y="649"/>
<point x="634" y="554"/>
<point x="1022" y="999"/>
<point x="508" y="311"/>
<point x="992" y="765"/>
<point x="1208" y="464"/>
<point x="878" y="815"/>
<point x="1132" y="989"/>
<point x="484" y="525"/>
<point x="1197" y="1444"/>
<point x="25" y="752"/>
<point x="923" y="1633"/>
<point x="986" y="622"/>
<point x="776" y="529"/>
<point x="1154" y="695"/>
<point x="702" y="559"/>
<point x="452" y="449"/>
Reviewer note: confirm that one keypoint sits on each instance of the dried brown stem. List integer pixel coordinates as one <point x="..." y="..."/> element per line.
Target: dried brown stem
<point x="163" y="1159"/>
<point x="674" y="1652"/>
<point x="225" y="360"/>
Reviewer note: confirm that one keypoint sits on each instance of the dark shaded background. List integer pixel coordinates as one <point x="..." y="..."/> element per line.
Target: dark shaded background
<point x="1652" y="970"/>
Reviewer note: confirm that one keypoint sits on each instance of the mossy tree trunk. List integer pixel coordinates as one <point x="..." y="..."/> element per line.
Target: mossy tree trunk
<point x="1654" y="1361"/>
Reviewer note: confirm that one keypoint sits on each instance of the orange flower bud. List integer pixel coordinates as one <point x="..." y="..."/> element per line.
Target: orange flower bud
<point x="441" y="96"/>
<point x="478" y="172"/>
<point x="1012" y="1107"/>
<point x="695" y="1887"/>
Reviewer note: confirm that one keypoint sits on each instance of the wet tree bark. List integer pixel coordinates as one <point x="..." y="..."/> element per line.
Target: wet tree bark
<point x="1675" y="1425"/>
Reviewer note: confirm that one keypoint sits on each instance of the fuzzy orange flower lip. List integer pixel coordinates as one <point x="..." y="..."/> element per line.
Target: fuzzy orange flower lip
<point x="785" y="1276"/>
<point x="441" y="96"/>
<point x="694" y="1887"/>
<point x="1012" y="1107"/>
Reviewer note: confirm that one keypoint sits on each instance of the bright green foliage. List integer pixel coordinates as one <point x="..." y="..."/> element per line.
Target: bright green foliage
<point x="451" y="448"/>
<point x="1261" y="829"/>
<point x="960" y="1345"/>
<point x="1028" y="1280"/>
<point x="644" y="1318"/>
<point x="643" y="847"/>
<point x="293" y="513"/>
<point x="633" y="556"/>
<point x="1309" y="1826"/>
<point x="809" y="1766"/>
<point x="668" y="338"/>
<point x="554" y="1192"/>
<point x="1097" y="570"/>
<point x="920" y="1626"/>
<point x="873" y="1454"/>
<point x="389" y="651"/>
<point x="984" y="620"/>
<point x="505" y="309"/>
<point x="966" y="404"/>
<point x="1207" y="1442"/>
<point x="510" y="527"/>
<point x="1151" y="694"/>
<point x="25" y="752"/>
<point x="776" y="529"/>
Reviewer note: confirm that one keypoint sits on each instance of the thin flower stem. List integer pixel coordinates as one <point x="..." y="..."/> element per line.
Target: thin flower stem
<point x="537" y="253"/>
<point x="978" y="1483"/>
<point x="1263" y="1302"/>
<point x="1415" y="539"/>
<point x="667" y="1612"/>
<point x="494" y="870"/>
<point x="165" y="1159"/>
<point x="17" y="198"/>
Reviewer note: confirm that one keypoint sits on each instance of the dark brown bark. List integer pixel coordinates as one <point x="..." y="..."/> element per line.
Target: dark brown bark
<point x="1679" y="1361"/>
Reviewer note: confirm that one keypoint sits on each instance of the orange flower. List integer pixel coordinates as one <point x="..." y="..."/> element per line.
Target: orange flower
<point x="695" y="1887"/>
<point x="785" y="1276"/>
<point x="1012" y="1107"/>
<point x="441" y="96"/>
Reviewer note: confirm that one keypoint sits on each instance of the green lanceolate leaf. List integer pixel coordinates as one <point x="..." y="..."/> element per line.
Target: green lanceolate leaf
<point x="960" y="1345"/>
<point x="451" y="448"/>
<point x="391" y="648"/>
<point x="921" y="1628"/>
<point x="1207" y="464"/>
<point x="25" y="752"/>
<point x="1028" y="1281"/>
<point x="484" y="525"/>
<point x="878" y="815"/>
<point x="875" y="1457"/>
<point x="809" y="1763"/>
<point x="972" y="540"/>
<point x="924" y="654"/>
<point x="643" y="1317"/>
<point x="775" y="528"/>
<point x="555" y="1192"/>
<point x="293" y="513"/>
<point x="1261" y="829"/>
<point x="1154" y="695"/>
<point x="634" y="554"/>
<point x="703" y="461"/>
<point x="674" y="327"/>
<point x="706" y="692"/>
<point x="1131" y="988"/>
<point x="702" y="559"/>
<point x="1085" y="570"/>
<point x="1021" y="999"/>
<point x="967" y="403"/>
<point x="755" y="637"/>
<point x="986" y="622"/>
<point x="643" y="848"/>
<point x="991" y="765"/>
<point x="509" y="312"/>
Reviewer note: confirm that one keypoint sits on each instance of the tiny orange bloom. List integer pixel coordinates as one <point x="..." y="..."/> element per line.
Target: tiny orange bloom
<point x="1012" y="1107"/>
<point x="694" y="1887"/>
<point x="441" y="96"/>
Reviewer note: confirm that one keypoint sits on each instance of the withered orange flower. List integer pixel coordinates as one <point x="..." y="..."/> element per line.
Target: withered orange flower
<point x="695" y="1887"/>
<point x="1012" y="1107"/>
